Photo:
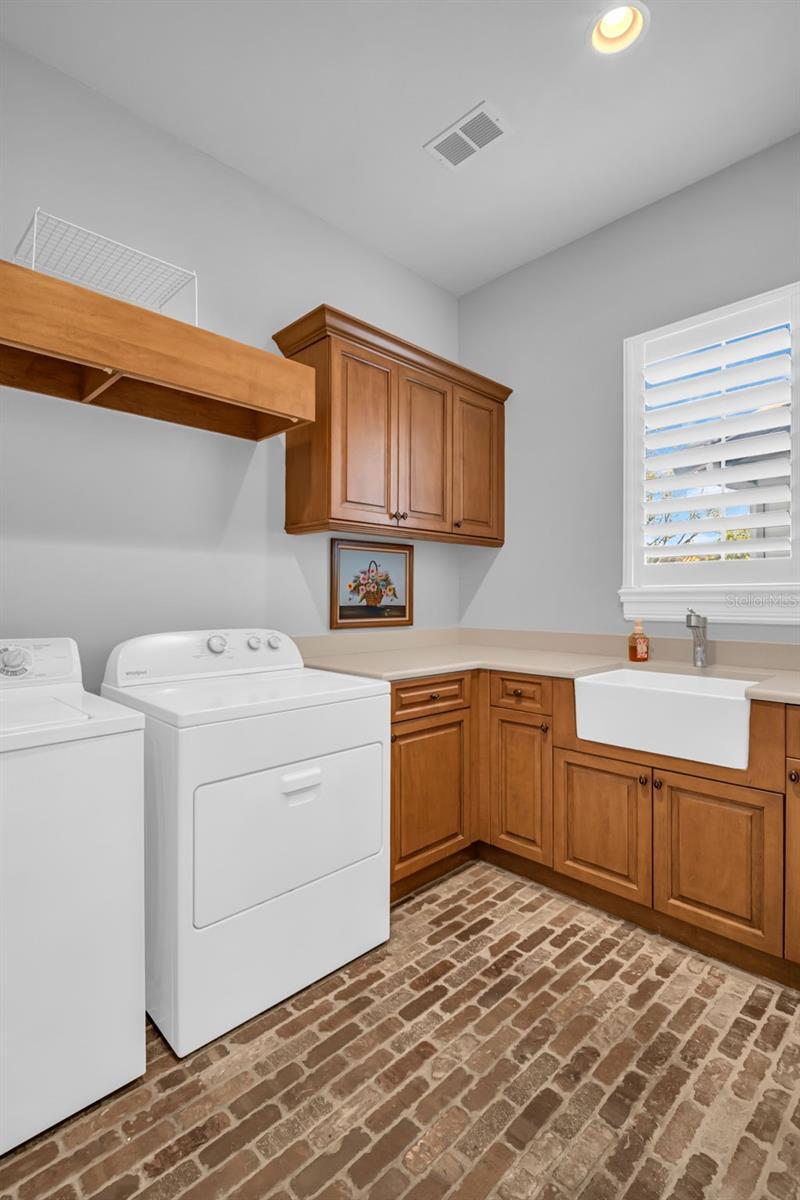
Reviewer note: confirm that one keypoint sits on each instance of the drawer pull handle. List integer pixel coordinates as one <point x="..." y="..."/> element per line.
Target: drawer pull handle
<point x="544" y="727"/>
<point x="794" y="776"/>
<point x="643" y="780"/>
<point x="435" y="696"/>
<point x="301" y="781"/>
<point x="657" y="784"/>
<point x="516" y="691"/>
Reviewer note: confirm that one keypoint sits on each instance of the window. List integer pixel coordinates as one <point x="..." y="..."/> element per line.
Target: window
<point x="712" y="465"/>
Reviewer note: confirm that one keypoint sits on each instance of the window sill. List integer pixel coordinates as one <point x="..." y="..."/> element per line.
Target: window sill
<point x="741" y="604"/>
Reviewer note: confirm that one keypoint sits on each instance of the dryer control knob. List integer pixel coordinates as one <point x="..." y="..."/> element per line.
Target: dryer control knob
<point x="254" y="642"/>
<point x="273" y="642"/>
<point x="13" y="657"/>
<point x="217" y="643"/>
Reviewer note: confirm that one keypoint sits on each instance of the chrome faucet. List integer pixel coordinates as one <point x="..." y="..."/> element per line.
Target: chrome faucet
<point x="698" y="626"/>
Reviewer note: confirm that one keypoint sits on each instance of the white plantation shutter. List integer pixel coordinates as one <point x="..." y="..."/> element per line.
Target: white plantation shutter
<point x="711" y="452"/>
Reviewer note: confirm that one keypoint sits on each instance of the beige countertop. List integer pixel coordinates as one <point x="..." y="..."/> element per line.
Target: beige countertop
<point x="782" y="687"/>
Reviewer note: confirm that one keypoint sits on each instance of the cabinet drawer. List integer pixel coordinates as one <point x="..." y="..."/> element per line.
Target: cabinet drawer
<point x="432" y="694"/>
<point x="525" y="693"/>
<point x="792" y="731"/>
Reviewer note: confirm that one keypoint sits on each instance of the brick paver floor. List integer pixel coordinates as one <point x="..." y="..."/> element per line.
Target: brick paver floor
<point x="507" y="1042"/>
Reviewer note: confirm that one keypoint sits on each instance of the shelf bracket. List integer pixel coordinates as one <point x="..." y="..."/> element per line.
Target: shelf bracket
<point x="96" y="380"/>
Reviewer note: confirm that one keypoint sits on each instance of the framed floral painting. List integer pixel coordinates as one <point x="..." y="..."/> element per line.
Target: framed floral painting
<point x="372" y="583"/>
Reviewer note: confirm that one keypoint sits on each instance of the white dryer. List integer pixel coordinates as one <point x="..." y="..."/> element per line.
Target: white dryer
<point x="72" y="1025"/>
<point x="267" y="822"/>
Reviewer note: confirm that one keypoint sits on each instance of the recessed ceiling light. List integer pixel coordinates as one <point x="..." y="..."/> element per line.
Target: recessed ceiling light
<point x="618" y="28"/>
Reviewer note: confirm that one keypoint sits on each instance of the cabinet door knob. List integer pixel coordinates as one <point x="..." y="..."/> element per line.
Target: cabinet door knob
<point x="544" y="727"/>
<point x="657" y="784"/>
<point x="403" y="516"/>
<point x="794" y="776"/>
<point x="395" y="516"/>
<point x="516" y="691"/>
<point x="435" y="696"/>
<point x="394" y="737"/>
<point x="643" y="780"/>
<point x="457" y="524"/>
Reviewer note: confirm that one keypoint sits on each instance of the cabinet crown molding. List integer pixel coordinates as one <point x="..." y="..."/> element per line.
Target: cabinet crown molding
<point x="325" y="321"/>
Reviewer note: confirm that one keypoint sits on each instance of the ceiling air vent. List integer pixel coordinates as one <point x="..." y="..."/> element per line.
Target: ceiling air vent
<point x="476" y="130"/>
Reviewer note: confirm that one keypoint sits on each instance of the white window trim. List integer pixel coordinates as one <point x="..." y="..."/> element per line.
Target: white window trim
<point x="764" y="596"/>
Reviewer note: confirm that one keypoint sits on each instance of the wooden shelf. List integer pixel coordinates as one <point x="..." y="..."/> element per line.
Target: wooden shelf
<point x="59" y="339"/>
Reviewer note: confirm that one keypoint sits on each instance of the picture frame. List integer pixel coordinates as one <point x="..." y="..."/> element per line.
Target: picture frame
<point x="371" y="584"/>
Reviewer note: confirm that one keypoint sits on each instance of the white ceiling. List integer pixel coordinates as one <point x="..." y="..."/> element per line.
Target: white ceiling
<point x="328" y="103"/>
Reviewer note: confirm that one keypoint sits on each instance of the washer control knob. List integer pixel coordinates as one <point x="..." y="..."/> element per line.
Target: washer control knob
<point x="254" y="641"/>
<point x="13" y="658"/>
<point x="273" y="641"/>
<point x="217" y="644"/>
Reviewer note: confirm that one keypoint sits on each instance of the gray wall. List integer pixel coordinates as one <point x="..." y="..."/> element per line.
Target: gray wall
<point x="553" y="330"/>
<point x="115" y="525"/>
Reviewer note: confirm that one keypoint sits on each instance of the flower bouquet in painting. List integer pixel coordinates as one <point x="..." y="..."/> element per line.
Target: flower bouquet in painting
<point x="372" y="586"/>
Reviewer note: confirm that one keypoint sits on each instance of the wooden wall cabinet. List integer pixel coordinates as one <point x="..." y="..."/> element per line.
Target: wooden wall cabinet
<point x="405" y="443"/>
<point x="602" y="823"/>
<point x="718" y="855"/>
<point x="521" y="782"/>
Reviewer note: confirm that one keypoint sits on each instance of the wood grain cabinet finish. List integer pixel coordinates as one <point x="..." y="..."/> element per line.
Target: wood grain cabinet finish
<point x="404" y="441"/>
<point x="602" y="823"/>
<point x="431" y="791"/>
<point x="364" y="414"/>
<point x="521" y="693"/>
<point x="521" y="780"/>
<point x="718" y="858"/>
<point x="793" y="730"/>
<point x="477" y="465"/>
<point x="425" y="452"/>
<point x="430" y="694"/>
<point x="792" y="950"/>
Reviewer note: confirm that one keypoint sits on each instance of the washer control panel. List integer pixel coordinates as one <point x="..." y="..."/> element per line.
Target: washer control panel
<point x="39" y="660"/>
<point x="170" y="656"/>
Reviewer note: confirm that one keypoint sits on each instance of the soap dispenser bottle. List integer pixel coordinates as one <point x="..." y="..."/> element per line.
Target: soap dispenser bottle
<point x="638" y="644"/>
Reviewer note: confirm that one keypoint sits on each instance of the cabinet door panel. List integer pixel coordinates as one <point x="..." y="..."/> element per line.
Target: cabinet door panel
<point x="602" y="823"/>
<point x="363" y="436"/>
<point x="430" y="790"/>
<point x="793" y="859"/>
<point x="718" y="852"/>
<point x="521" y="786"/>
<point x="477" y="465"/>
<point x="425" y="445"/>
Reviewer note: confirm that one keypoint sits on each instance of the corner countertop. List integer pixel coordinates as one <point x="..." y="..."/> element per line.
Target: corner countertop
<point x="782" y="687"/>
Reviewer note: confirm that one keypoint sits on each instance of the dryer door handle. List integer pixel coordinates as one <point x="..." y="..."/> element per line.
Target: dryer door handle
<point x="301" y="781"/>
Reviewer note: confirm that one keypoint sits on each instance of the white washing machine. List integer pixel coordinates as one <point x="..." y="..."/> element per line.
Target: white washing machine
<point x="266" y="822"/>
<point x="72" y="1022"/>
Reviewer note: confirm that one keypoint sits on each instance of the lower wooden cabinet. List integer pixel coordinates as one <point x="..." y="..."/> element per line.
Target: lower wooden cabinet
<point x="602" y="823"/>
<point x="792" y="950"/>
<point x="431" y="789"/>
<point x="521" y="785"/>
<point x="718" y="858"/>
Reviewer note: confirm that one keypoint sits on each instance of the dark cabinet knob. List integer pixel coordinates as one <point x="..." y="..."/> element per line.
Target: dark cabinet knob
<point x="544" y="727"/>
<point x="794" y="776"/>
<point x="457" y="524"/>
<point x="642" y="780"/>
<point x="395" y="516"/>
<point x="394" y="737"/>
<point x="435" y="696"/>
<point x="403" y="516"/>
<point x="516" y="691"/>
<point x="657" y="784"/>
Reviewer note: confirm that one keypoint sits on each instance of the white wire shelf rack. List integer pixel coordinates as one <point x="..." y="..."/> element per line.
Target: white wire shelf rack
<point x="58" y="247"/>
